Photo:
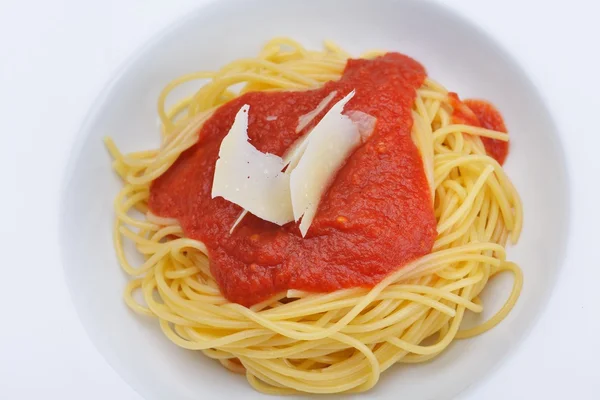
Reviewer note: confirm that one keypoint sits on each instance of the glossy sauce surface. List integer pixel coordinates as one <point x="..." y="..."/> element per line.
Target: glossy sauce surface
<point x="483" y="114"/>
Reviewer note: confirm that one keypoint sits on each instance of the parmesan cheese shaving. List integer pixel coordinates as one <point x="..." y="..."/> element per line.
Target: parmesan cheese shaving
<point x="325" y="151"/>
<point x="238" y="220"/>
<point x="307" y="118"/>
<point x="255" y="181"/>
<point x="294" y="153"/>
<point x="251" y="179"/>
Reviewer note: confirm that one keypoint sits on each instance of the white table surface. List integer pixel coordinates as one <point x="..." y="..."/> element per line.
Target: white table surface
<point x="55" y="56"/>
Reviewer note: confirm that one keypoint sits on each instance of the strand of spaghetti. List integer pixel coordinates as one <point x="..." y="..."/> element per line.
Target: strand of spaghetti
<point x="131" y="287"/>
<point x="467" y="203"/>
<point x="162" y="98"/>
<point x="270" y="67"/>
<point x="471" y="130"/>
<point x="306" y="332"/>
<point x="506" y="307"/>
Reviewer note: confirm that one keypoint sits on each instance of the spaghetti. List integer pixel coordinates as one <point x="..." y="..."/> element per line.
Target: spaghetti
<point x="340" y="341"/>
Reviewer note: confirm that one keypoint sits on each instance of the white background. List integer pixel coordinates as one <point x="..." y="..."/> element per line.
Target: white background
<point x="55" y="56"/>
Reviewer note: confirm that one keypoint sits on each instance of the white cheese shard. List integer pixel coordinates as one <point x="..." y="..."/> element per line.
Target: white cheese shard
<point x="324" y="151"/>
<point x="292" y="156"/>
<point x="310" y="164"/>
<point x="363" y="121"/>
<point x="307" y="118"/>
<point x="238" y="220"/>
<point x="251" y="179"/>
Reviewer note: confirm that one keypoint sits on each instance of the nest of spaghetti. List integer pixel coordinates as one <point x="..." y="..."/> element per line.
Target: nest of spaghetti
<point x="338" y="342"/>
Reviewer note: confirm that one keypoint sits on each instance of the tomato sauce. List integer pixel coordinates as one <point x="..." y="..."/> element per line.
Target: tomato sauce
<point x="483" y="114"/>
<point x="375" y="217"/>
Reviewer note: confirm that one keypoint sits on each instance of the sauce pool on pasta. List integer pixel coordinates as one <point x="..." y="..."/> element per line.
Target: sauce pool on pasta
<point x="375" y="217"/>
<point x="481" y="113"/>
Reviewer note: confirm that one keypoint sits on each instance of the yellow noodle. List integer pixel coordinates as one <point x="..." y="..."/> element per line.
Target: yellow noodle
<point x="337" y="342"/>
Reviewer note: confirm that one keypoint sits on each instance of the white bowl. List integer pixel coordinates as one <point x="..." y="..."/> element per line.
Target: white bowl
<point x="455" y="53"/>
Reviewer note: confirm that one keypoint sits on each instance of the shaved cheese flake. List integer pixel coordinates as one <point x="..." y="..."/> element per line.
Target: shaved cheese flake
<point x="292" y="156"/>
<point x="307" y="118"/>
<point x="294" y="153"/>
<point x="325" y="151"/>
<point x="238" y="220"/>
<point x="251" y="179"/>
<point x="364" y="122"/>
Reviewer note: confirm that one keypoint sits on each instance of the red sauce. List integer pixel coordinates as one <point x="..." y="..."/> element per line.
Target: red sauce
<point x="375" y="217"/>
<point x="484" y="114"/>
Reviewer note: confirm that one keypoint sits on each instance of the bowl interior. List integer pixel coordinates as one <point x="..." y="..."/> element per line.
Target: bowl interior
<point x="455" y="53"/>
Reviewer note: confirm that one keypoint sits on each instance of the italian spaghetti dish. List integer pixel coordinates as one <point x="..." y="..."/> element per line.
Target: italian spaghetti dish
<point x="311" y="219"/>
